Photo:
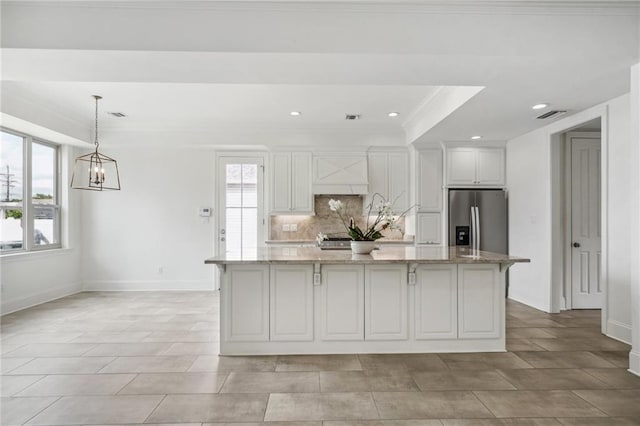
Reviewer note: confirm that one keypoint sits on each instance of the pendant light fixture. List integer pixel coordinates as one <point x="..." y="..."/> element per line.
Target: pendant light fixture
<point x="95" y="171"/>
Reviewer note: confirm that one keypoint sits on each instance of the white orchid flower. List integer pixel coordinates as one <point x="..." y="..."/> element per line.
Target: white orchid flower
<point x="335" y="205"/>
<point x="321" y="237"/>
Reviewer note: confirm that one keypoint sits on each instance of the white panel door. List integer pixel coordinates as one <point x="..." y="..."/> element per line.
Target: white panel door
<point x="586" y="286"/>
<point x="461" y="166"/>
<point x="479" y="301"/>
<point x="291" y="307"/>
<point x="429" y="180"/>
<point x="436" y="302"/>
<point x="398" y="172"/>
<point x="301" y="190"/>
<point x="385" y="311"/>
<point x="378" y="176"/>
<point x="429" y="228"/>
<point x="281" y="182"/>
<point x="490" y="166"/>
<point x="246" y="296"/>
<point x="342" y="302"/>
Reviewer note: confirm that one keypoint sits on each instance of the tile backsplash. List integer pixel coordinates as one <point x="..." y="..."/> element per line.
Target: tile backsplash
<point x="325" y="221"/>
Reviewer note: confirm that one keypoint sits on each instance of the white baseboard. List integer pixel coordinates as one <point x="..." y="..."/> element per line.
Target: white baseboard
<point x="634" y="363"/>
<point x="9" y="306"/>
<point x="130" y="285"/>
<point x="619" y="331"/>
<point x="524" y="302"/>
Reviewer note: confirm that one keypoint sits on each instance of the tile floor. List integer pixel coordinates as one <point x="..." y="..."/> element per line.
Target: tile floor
<point x="132" y="358"/>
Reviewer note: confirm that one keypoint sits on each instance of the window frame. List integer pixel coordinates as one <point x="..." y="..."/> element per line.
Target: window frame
<point x="28" y="206"/>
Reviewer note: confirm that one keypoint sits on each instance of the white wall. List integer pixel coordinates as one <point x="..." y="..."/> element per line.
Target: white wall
<point x="151" y="223"/>
<point x="529" y="177"/>
<point x="32" y="278"/>
<point x="634" y="357"/>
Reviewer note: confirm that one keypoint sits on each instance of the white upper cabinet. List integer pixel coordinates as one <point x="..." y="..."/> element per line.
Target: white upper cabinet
<point x="389" y="177"/>
<point x="291" y="183"/>
<point x="429" y="182"/>
<point x="428" y="228"/>
<point x="475" y="166"/>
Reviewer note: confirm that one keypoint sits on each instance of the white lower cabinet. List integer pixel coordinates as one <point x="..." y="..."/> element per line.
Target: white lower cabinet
<point x="246" y="303"/>
<point x="436" y="300"/>
<point x="385" y="310"/>
<point x="291" y="296"/>
<point x="341" y="302"/>
<point x="479" y="299"/>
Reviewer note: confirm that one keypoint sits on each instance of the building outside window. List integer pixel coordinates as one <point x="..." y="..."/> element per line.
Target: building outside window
<point x="29" y="188"/>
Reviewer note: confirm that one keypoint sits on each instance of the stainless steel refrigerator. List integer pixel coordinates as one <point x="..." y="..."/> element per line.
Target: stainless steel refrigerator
<point x="478" y="219"/>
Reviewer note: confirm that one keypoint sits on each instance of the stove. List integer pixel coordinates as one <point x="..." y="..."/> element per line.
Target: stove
<point x="334" y="243"/>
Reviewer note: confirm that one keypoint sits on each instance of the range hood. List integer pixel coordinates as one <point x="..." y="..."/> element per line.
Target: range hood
<point x="340" y="174"/>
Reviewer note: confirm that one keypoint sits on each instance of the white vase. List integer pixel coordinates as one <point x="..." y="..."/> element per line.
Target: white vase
<point x="362" y="247"/>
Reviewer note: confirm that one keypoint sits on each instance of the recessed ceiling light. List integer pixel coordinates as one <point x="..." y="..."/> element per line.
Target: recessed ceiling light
<point x="476" y="137"/>
<point x="540" y="106"/>
<point x="295" y="113"/>
<point x="393" y="114"/>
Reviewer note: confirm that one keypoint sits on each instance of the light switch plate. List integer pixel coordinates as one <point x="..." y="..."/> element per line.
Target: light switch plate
<point x="286" y="227"/>
<point x="294" y="227"/>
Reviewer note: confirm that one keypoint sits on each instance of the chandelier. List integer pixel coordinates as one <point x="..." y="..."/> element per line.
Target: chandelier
<point x="95" y="171"/>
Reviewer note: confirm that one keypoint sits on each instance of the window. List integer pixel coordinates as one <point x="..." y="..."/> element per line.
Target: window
<point x="29" y="202"/>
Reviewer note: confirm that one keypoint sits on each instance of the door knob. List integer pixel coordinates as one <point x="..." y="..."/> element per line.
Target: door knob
<point x="576" y="244"/>
<point x="222" y="231"/>
<point x="222" y="239"/>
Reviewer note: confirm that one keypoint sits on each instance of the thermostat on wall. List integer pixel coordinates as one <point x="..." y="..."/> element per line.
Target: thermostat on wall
<point x="204" y="211"/>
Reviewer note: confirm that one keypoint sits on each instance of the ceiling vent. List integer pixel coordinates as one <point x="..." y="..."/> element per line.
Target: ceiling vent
<point x="553" y="113"/>
<point x="352" y="117"/>
<point x="117" y="114"/>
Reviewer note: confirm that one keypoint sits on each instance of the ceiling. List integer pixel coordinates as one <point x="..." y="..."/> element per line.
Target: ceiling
<point x="243" y="66"/>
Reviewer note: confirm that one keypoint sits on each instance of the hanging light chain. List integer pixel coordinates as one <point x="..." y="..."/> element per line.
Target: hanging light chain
<point x="97" y="98"/>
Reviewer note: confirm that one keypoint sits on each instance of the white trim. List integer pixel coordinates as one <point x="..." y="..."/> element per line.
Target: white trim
<point x="619" y="331"/>
<point x="634" y="363"/>
<point x="39" y="298"/>
<point x="148" y="285"/>
<point x="27" y="256"/>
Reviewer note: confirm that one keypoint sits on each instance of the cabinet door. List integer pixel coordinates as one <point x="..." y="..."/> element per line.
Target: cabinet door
<point x="398" y="176"/>
<point x="246" y="297"/>
<point x="291" y="307"/>
<point x="378" y="176"/>
<point x="479" y="301"/>
<point x="429" y="180"/>
<point x="490" y="166"/>
<point x="385" y="310"/>
<point x="301" y="195"/>
<point x="429" y="228"/>
<point x="436" y="302"/>
<point x="281" y="182"/>
<point x="342" y="302"/>
<point x="461" y="166"/>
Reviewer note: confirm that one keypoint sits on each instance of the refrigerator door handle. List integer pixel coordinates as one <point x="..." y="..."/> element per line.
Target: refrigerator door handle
<point x="477" y="228"/>
<point x="473" y="228"/>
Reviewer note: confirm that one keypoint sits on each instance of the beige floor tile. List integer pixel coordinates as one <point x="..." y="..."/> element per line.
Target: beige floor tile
<point x="71" y="410"/>
<point x="537" y="404"/>
<point x="320" y="406"/>
<point x="580" y="359"/>
<point x="161" y="326"/>
<point x="210" y="408"/>
<point x="406" y="363"/>
<point x="10" y="385"/>
<point x="430" y="422"/>
<point x="318" y="363"/>
<point x="484" y="361"/>
<point x="10" y="364"/>
<point x="622" y="403"/>
<point x="500" y="422"/>
<point x="610" y="421"/>
<point x="267" y="382"/>
<point x="601" y="343"/>
<point x="149" y="364"/>
<point x="16" y="411"/>
<point x="618" y="358"/>
<point x="527" y="333"/>
<point x="308" y="423"/>
<point x="66" y="365"/>
<point x="26" y="338"/>
<point x="617" y="378"/>
<point x="425" y="405"/>
<point x="180" y="336"/>
<point x="128" y="349"/>
<point x="238" y="364"/>
<point x="78" y="384"/>
<point x="552" y="379"/>
<point x="360" y="381"/>
<point x="198" y="348"/>
<point x="518" y="345"/>
<point x="50" y="350"/>
<point x="104" y="337"/>
<point x="174" y="383"/>
<point x="461" y="380"/>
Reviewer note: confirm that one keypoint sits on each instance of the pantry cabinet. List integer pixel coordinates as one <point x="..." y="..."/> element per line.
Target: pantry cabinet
<point x="429" y="180"/>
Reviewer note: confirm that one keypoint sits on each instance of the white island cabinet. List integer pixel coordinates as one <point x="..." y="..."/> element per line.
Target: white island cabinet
<point x="396" y="300"/>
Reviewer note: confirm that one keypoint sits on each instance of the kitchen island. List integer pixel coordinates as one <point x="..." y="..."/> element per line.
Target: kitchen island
<point x="284" y="300"/>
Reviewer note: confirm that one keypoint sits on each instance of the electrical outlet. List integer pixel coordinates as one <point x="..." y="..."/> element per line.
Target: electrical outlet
<point x="317" y="278"/>
<point x="160" y="270"/>
<point x="294" y="227"/>
<point x="286" y="227"/>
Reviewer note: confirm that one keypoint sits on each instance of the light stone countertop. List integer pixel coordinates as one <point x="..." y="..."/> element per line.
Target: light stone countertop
<point x="433" y="255"/>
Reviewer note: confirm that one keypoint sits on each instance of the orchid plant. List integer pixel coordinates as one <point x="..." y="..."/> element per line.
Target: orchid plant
<point x="386" y="219"/>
